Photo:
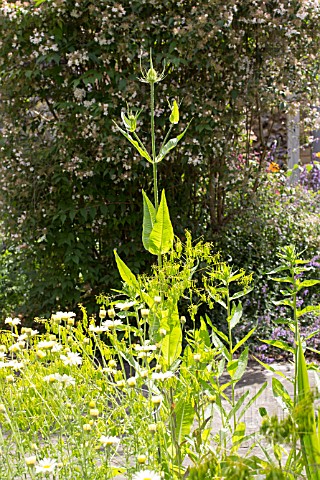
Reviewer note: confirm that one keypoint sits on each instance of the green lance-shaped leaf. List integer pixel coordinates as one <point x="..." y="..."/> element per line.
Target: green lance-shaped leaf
<point x="310" y="308"/>
<point x="149" y="218"/>
<point x="170" y="145"/>
<point x="143" y="152"/>
<point x="238" y="405"/>
<point x="236" y="315"/>
<point x="243" y="340"/>
<point x="171" y="344"/>
<point x="238" y="436"/>
<point x="279" y="344"/>
<point x="308" y="283"/>
<point x="126" y="274"/>
<point x="281" y="393"/>
<point x="242" y="365"/>
<point x="310" y="441"/>
<point x="184" y="415"/>
<point x="161" y="236"/>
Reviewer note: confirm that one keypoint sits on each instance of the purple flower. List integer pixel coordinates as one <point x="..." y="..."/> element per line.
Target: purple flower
<point x="299" y="302"/>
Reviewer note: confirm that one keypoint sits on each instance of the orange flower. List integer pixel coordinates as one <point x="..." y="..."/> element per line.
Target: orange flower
<point x="273" y="167"/>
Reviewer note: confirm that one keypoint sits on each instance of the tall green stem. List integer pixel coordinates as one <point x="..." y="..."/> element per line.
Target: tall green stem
<point x="153" y="146"/>
<point x="296" y="339"/>
<point x="231" y="354"/>
<point x="155" y="172"/>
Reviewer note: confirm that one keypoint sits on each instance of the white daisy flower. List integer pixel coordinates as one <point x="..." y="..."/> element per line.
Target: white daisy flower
<point x="109" y="324"/>
<point x="15" y="364"/>
<point x="146" y="475"/>
<point x="12" y="321"/>
<point x="56" y="377"/>
<point x="161" y="375"/>
<point x="56" y="348"/>
<point x="145" y="348"/>
<point x="22" y="337"/>
<point x="67" y="380"/>
<point x="46" y="344"/>
<point x="47" y="465"/>
<point x="98" y="329"/>
<point x="125" y="305"/>
<point x="30" y="460"/>
<point x="108" y="440"/>
<point x="66" y="315"/>
<point x="71" y="359"/>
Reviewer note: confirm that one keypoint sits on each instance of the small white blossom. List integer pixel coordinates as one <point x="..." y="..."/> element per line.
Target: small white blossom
<point x="46" y="344"/>
<point x="47" y="465"/>
<point x="12" y="321"/>
<point x="110" y="324"/>
<point x="145" y="348"/>
<point x="107" y="440"/>
<point x="71" y="358"/>
<point x="161" y="375"/>
<point x="67" y="380"/>
<point x="146" y="475"/>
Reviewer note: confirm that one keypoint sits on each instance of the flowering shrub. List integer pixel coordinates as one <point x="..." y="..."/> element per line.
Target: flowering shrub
<point x="67" y="181"/>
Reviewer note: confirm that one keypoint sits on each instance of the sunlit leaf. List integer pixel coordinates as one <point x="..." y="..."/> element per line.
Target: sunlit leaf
<point x="279" y="344"/>
<point x="243" y="340"/>
<point x="280" y="392"/>
<point x="184" y="416"/>
<point x="149" y="218"/>
<point x="309" y="309"/>
<point x="143" y="152"/>
<point x="171" y="344"/>
<point x="125" y="273"/>
<point x="161" y="236"/>
<point x="170" y="145"/>
<point x="236" y="315"/>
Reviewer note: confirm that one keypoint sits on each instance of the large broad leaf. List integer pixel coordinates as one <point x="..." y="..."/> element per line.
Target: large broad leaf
<point x="126" y="274"/>
<point x="149" y="218"/>
<point x="269" y="367"/>
<point x="161" y="236"/>
<point x="184" y="416"/>
<point x="171" y="344"/>
<point x="241" y="294"/>
<point x="219" y="344"/>
<point x="143" y="152"/>
<point x="170" y="145"/>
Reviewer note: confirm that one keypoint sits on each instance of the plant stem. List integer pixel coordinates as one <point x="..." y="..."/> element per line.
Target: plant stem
<point x="296" y="338"/>
<point x="231" y="355"/>
<point x="154" y="164"/>
<point x="153" y="146"/>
